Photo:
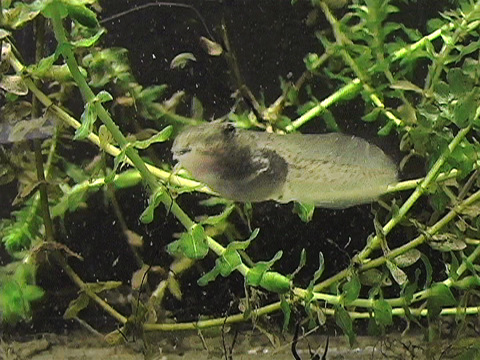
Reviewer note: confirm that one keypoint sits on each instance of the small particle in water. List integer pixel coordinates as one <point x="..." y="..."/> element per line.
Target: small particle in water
<point x="115" y="262"/>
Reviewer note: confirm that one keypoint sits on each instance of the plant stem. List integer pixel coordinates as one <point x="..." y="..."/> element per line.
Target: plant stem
<point x="37" y="145"/>
<point x="79" y="282"/>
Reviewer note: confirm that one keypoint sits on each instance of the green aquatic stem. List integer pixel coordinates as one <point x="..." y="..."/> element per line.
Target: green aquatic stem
<point x="84" y="287"/>
<point x="89" y="97"/>
<point x="450" y="44"/>
<point x="356" y="84"/>
<point x="419" y="191"/>
<point x="363" y="76"/>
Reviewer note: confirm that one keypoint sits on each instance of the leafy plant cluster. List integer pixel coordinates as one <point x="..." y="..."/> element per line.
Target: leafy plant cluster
<point x="436" y="117"/>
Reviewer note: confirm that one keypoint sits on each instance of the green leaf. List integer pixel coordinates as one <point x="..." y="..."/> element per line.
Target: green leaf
<point x="88" y="118"/>
<point x="14" y="84"/>
<point x="83" y="15"/>
<point x="152" y="93"/>
<point x="16" y="293"/>
<point x="407" y="259"/>
<point x="254" y="274"/>
<point x="275" y="282"/>
<point x="287" y="311"/>
<point x="385" y="130"/>
<point x="452" y="269"/>
<point x="51" y="7"/>
<point x="407" y="86"/>
<point x="32" y="292"/>
<point x="330" y="122"/>
<point x="439" y="295"/>
<point x="105" y="137"/>
<point x="304" y="211"/>
<point x="319" y="272"/>
<point x="216" y="219"/>
<point x="373" y="329"/>
<point x="397" y="273"/>
<point x="41" y="68"/>
<point x="228" y="262"/>
<point x="98" y="287"/>
<point x="88" y="42"/>
<point x="18" y="16"/>
<point x="342" y="318"/>
<point x="208" y="277"/>
<point x="465" y="109"/>
<point x="76" y="306"/>
<point x="351" y="289"/>
<point x="181" y="60"/>
<point x="409" y="289"/>
<point x="371" y="277"/>
<point x="428" y="269"/>
<point x="161" y="136"/>
<point x="301" y="264"/>
<point x="155" y="199"/>
<point x="193" y="244"/>
<point x="383" y="312"/>
<point x="446" y="242"/>
<point x="103" y="96"/>
<point x="468" y="282"/>
<point x="459" y="83"/>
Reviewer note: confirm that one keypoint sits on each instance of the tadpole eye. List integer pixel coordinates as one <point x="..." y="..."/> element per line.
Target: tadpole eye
<point x="229" y="130"/>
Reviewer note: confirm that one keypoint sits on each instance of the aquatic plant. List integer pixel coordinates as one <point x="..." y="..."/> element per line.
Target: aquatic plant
<point x="365" y="54"/>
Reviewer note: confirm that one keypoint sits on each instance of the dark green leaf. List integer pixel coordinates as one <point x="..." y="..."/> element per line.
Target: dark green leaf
<point x="83" y="15"/>
<point x="285" y="306"/>
<point x="383" y="312"/>
<point x="343" y="320"/>
<point x="428" y="269"/>
<point x="465" y="109"/>
<point x="351" y="289"/>
<point x="439" y="296"/>
<point x="459" y="82"/>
